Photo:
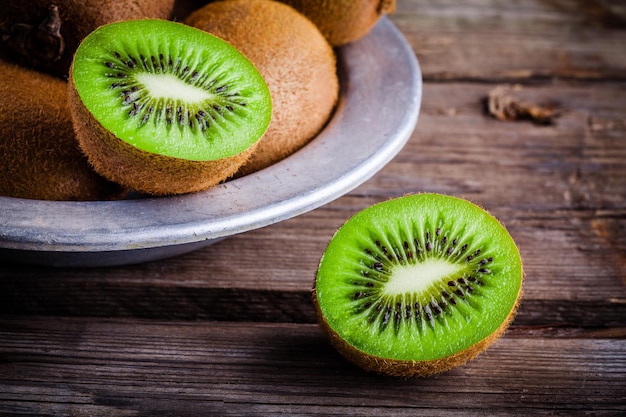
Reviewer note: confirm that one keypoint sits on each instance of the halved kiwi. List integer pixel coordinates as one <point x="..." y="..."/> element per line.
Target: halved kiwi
<point x="418" y="285"/>
<point x="164" y="108"/>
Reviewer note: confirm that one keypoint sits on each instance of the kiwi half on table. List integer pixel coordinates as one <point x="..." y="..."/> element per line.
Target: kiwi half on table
<point x="164" y="108"/>
<point x="417" y="285"/>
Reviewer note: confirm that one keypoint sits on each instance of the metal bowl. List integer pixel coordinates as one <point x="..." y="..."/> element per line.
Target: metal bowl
<point x="381" y="89"/>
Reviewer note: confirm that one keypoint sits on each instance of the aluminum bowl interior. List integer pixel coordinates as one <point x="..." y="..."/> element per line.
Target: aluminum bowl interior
<point x="381" y="90"/>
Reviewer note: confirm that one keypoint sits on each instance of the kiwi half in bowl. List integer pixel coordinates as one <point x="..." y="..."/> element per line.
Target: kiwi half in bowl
<point x="164" y="108"/>
<point x="417" y="285"/>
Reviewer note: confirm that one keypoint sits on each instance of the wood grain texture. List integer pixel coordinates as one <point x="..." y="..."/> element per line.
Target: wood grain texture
<point x="212" y="368"/>
<point x="499" y="40"/>
<point x="230" y="329"/>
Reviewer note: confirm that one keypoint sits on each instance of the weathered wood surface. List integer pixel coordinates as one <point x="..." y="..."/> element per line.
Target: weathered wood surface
<point x="229" y="329"/>
<point x="119" y="367"/>
<point x="487" y="40"/>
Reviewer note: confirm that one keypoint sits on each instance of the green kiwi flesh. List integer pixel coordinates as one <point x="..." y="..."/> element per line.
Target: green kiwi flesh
<point x="418" y="284"/>
<point x="172" y="90"/>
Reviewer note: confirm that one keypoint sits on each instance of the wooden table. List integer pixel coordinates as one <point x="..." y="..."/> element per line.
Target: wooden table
<point x="230" y="329"/>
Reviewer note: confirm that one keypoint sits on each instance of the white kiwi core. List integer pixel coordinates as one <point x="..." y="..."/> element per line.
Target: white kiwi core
<point x="168" y="86"/>
<point x="416" y="278"/>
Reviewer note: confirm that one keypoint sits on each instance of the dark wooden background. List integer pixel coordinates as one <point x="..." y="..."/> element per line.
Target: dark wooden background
<point x="230" y="329"/>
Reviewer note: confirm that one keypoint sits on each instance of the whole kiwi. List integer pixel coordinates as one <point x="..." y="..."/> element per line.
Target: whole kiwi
<point x="343" y="21"/>
<point x="39" y="155"/>
<point x="418" y="285"/>
<point x="295" y="60"/>
<point x="44" y="34"/>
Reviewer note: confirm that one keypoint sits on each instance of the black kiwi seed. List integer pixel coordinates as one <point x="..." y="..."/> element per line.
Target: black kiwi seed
<point x="386" y="316"/>
<point x="427" y="313"/>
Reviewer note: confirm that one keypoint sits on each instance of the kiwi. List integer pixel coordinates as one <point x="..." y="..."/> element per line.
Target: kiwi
<point x="294" y="58"/>
<point x="417" y="285"/>
<point x="164" y="108"/>
<point x="343" y="21"/>
<point x="44" y="34"/>
<point x="40" y="158"/>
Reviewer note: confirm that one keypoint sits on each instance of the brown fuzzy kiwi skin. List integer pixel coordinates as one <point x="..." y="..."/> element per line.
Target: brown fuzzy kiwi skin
<point x="404" y="368"/>
<point x="26" y="40"/>
<point x="295" y="60"/>
<point x="39" y="156"/>
<point x="143" y="171"/>
<point x="343" y="21"/>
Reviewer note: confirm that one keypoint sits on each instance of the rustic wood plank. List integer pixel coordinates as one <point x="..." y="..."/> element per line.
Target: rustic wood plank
<point x="131" y="367"/>
<point x="494" y="40"/>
